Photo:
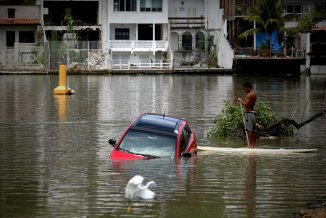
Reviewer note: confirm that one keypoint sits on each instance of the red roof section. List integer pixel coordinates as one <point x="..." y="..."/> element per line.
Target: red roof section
<point x="20" y="21"/>
<point x="317" y="29"/>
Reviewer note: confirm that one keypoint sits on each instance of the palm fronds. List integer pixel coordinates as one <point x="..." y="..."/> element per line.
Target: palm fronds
<point x="310" y="19"/>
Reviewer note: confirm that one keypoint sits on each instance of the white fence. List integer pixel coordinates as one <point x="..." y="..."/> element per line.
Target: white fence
<point x="157" y="65"/>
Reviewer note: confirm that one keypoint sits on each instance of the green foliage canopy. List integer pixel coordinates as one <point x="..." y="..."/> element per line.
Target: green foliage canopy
<point x="268" y="17"/>
<point x="229" y="123"/>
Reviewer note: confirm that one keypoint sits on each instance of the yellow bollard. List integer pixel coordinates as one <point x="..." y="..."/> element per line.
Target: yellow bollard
<point x="62" y="89"/>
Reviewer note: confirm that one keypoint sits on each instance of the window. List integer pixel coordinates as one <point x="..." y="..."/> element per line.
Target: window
<point x="145" y="32"/>
<point x="151" y="5"/>
<point x="294" y="12"/>
<point x="294" y="9"/>
<point x="321" y="7"/>
<point x="125" y="5"/>
<point x="149" y="143"/>
<point x="26" y="37"/>
<point x="122" y="33"/>
<point x="11" y="12"/>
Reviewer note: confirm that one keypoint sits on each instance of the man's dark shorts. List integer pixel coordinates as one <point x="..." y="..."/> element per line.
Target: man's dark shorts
<point x="250" y="121"/>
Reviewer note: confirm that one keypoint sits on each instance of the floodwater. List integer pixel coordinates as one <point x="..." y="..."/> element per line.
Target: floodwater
<point x="54" y="151"/>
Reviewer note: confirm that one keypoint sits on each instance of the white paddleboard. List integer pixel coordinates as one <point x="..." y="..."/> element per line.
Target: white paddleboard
<point x="257" y="150"/>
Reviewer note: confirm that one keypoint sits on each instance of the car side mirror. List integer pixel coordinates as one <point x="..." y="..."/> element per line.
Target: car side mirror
<point x="112" y="142"/>
<point x="186" y="154"/>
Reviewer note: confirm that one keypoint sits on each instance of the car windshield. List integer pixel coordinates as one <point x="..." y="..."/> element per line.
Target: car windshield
<point x="149" y="143"/>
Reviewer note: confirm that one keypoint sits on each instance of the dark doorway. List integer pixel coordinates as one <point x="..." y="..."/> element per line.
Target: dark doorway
<point x="187" y="41"/>
<point x="158" y="32"/>
<point x="10" y="38"/>
<point x="145" y="32"/>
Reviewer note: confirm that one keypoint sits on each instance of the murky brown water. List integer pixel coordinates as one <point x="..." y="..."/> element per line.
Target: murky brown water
<point x="54" y="150"/>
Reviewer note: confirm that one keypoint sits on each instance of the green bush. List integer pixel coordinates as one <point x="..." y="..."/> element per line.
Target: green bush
<point x="229" y="123"/>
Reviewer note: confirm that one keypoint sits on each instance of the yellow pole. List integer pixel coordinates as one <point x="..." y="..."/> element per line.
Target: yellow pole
<point x="62" y="75"/>
<point x="62" y="89"/>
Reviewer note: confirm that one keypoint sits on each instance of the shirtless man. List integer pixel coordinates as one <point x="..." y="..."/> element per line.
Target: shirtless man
<point x="250" y="114"/>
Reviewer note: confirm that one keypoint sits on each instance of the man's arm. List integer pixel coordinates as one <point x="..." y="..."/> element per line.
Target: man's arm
<point x="248" y="101"/>
<point x="244" y="102"/>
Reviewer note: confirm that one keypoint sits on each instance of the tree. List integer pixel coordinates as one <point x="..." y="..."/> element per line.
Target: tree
<point x="268" y="17"/>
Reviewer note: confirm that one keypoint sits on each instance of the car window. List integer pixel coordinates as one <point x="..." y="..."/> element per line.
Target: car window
<point x="149" y="143"/>
<point x="184" y="140"/>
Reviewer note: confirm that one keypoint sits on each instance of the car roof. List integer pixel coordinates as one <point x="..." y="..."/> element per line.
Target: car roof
<point x="159" y="122"/>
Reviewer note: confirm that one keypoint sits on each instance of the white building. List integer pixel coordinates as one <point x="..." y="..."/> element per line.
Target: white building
<point x="149" y="31"/>
<point x="19" y="26"/>
<point x="135" y="32"/>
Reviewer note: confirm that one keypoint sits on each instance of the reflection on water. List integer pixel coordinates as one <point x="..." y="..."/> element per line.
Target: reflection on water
<point x="250" y="182"/>
<point x="54" y="150"/>
<point x="61" y="102"/>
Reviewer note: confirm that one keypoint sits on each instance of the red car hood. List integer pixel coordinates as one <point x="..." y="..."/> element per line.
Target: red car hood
<point x="119" y="155"/>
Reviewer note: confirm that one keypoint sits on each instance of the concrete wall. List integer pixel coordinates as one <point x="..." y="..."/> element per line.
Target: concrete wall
<point x="23" y="12"/>
<point x="214" y="15"/>
<point x="225" y="54"/>
<point x="190" y="59"/>
<point x="190" y="8"/>
<point x="209" y="9"/>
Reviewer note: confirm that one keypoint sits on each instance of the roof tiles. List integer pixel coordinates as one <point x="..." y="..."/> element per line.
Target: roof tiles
<point x="20" y="21"/>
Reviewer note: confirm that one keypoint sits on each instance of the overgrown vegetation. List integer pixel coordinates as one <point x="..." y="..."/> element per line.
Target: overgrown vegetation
<point x="229" y="123"/>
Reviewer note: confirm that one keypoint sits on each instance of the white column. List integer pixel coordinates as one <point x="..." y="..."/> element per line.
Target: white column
<point x="193" y="35"/>
<point x="255" y="43"/>
<point x="206" y="14"/>
<point x="225" y="28"/>
<point x="107" y="40"/>
<point x="153" y="31"/>
<point x="308" y="57"/>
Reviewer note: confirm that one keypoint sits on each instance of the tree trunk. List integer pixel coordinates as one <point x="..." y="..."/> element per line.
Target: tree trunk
<point x="286" y="121"/>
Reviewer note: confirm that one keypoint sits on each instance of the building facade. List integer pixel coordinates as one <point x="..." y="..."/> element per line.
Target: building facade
<point x="137" y="34"/>
<point x="292" y="45"/>
<point x="19" y="26"/>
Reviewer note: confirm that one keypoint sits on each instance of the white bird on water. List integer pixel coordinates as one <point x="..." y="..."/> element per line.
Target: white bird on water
<point x="135" y="188"/>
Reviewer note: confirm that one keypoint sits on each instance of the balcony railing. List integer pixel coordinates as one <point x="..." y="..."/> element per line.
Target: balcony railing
<point x="186" y="22"/>
<point x="141" y="65"/>
<point x="267" y="53"/>
<point x="293" y="17"/>
<point x="131" y="45"/>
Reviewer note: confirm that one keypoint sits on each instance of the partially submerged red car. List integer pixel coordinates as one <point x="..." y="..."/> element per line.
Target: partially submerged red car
<point x="155" y="136"/>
